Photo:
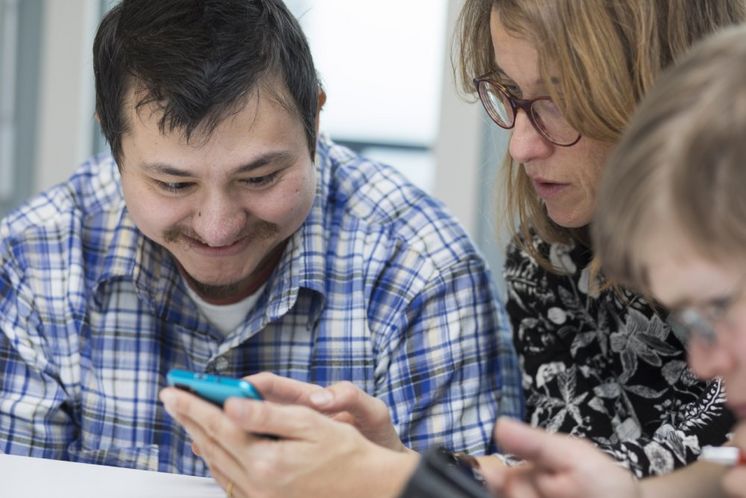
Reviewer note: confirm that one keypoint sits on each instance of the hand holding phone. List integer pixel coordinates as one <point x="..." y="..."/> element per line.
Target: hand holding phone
<point x="213" y="388"/>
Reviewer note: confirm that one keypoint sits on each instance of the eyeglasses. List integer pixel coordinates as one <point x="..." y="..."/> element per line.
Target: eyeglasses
<point x="542" y="112"/>
<point x="702" y="321"/>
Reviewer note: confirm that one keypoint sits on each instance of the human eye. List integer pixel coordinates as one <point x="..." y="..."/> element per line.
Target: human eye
<point x="504" y="81"/>
<point x="261" y="181"/>
<point x="174" y="187"/>
<point x="510" y="87"/>
<point x="717" y="308"/>
<point x="514" y="90"/>
<point x="548" y="112"/>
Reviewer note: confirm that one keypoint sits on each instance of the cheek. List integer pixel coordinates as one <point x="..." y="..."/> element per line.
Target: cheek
<point x="289" y="205"/>
<point x="303" y="196"/>
<point x="699" y="360"/>
<point x="593" y="158"/>
<point x="591" y="182"/>
<point x="722" y="359"/>
<point x="151" y="213"/>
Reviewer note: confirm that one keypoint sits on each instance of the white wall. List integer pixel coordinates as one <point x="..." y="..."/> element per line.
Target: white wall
<point x="66" y="107"/>
<point x="8" y="68"/>
<point x="458" y="146"/>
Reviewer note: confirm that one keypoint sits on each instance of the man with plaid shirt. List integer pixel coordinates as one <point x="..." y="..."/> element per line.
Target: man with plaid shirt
<point x="224" y="235"/>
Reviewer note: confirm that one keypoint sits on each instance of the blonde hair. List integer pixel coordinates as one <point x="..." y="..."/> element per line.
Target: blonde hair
<point x="682" y="163"/>
<point x="604" y="54"/>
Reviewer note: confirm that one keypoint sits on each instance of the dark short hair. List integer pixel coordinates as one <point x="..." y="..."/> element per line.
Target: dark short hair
<point x="197" y="60"/>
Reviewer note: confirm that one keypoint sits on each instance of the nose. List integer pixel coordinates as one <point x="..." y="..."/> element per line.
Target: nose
<point x="526" y="143"/>
<point x="711" y="360"/>
<point x="218" y="219"/>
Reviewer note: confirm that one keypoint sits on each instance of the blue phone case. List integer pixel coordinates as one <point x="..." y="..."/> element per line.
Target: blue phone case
<point x="213" y="388"/>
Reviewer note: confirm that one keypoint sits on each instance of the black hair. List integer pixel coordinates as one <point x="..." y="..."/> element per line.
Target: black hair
<point x="198" y="60"/>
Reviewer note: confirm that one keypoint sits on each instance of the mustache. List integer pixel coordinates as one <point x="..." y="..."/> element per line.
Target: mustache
<point x="261" y="231"/>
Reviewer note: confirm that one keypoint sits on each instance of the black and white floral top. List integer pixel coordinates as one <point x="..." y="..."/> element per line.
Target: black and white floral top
<point x="607" y="366"/>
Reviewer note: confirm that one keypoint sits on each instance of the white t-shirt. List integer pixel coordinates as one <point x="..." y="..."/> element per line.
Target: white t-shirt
<point x="226" y="317"/>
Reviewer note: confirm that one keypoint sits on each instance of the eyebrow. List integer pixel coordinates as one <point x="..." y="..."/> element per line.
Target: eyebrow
<point x="678" y="305"/>
<point x="539" y="82"/>
<point x="711" y="301"/>
<point x="258" y="162"/>
<point x="502" y="74"/>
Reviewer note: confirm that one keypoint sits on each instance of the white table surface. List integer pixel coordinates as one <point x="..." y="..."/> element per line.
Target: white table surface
<point x="23" y="477"/>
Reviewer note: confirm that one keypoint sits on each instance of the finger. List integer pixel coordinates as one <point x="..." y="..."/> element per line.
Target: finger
<point x="739" y="435"/>
<point x="734" y="482"/>
<point x="518" y="482"/>
<point x="368" y="414"/>
<point x="281" y="389"/>
<point x="219" y="477"/>
<point x="344" y="396"/>
<point x="558" y="485"/>
<point x="216" y="453"/>
<point x="368" y="411"/>
<point x="219" y="440"/>
<point x="493" y="471"/>
<point x="552" y="451"/>
<point x="283" y="421"/>
<point x="344" y="417"/>
<point x="227" y="483"/>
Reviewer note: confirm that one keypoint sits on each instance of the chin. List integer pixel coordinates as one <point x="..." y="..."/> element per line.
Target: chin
<point x="570" y="220"/>
<point x="220" y="281"/>
<point x="221" y="278"/>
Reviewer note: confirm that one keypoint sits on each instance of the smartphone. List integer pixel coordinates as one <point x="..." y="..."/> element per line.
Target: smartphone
<point x="213" y="388"/>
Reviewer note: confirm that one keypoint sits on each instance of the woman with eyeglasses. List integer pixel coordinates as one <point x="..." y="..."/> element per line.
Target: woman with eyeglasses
<point x="671" y="221"/>
<point x="563" y="76"/>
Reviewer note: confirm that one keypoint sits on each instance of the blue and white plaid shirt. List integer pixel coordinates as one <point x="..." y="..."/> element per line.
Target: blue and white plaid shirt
<point x="380" y="286"/>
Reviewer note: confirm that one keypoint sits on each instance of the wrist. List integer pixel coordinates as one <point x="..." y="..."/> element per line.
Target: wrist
<point x="387" y="472"/>
<point x="441" y="473"/>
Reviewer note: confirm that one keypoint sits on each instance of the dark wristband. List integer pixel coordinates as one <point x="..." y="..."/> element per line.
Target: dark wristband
<point x="442" y="474"/>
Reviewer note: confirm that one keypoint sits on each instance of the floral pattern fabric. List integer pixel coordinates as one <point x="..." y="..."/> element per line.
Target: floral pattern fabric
<point x="606" y="365"/>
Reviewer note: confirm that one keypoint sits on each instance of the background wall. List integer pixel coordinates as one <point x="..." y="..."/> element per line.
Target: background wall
<point x="385" y="65"/>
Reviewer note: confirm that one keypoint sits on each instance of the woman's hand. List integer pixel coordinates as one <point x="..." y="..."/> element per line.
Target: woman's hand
<point x="734" y="482"/>
<point x="556" y="466"/>
<point x="342" y="401"/>
<point x="312" y="455"/>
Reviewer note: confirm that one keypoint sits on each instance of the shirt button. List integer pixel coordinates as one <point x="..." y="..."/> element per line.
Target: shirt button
<point x="222" y="364"/>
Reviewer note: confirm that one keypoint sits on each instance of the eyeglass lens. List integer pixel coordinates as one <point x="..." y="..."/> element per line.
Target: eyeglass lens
<point x="545" y="115"/>
<point x="695" y="324"/>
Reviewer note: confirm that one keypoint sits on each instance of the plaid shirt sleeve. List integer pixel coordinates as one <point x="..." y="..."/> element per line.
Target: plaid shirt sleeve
<point x="449" y="367"/>
<point x="35" y="416"/>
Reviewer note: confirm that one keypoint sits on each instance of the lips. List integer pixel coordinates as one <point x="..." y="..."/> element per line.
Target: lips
<point x="231" y="249"/>
<point x="547" y="189"/>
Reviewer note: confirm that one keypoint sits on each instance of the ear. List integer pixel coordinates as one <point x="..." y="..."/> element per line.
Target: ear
<point x="322" y="101"/>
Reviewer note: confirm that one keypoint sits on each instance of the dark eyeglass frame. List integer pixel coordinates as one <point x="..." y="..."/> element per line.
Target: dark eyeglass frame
<point x="481" y="82"/>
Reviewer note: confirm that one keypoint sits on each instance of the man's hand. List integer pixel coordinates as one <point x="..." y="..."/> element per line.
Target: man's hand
<point x="310" y="454"/>
<point x="343" y="402"/>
